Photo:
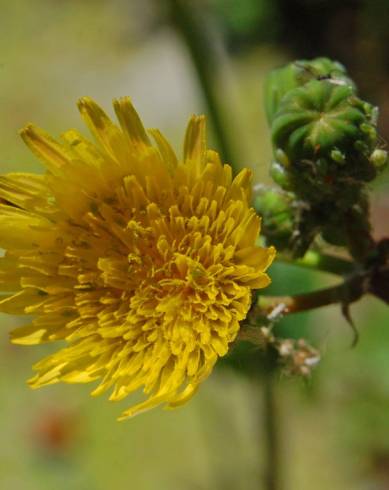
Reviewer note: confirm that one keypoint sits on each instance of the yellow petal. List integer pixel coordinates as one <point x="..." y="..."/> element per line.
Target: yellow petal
<point x="103" y="129"/>
<point x="258" y="257"/>
<point x="21" y="229"/>
<point x="27" y="191"/>
<point x="195" y="138"/>
<point x="32" y="334"/>
<point x="144" y="406"/>
<point x="130" y="122"/>
<point x="17" y="303"/>
<point x="183" y="397"/>
<point x="46" y="148"/>
<point x="166" y="151"/>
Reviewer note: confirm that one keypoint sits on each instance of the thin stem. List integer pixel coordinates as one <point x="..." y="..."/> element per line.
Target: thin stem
<point x="199" y="42"/>
<point x="271" y="429"/>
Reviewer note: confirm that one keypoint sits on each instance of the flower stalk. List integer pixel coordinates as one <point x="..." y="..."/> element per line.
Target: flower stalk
<point x="272" y="473"/>
<point x="194" y="31"/>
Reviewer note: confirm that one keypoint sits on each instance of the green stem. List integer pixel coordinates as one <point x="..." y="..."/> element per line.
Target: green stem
<point x="200" y="44"/>
<point x="271" y="428"/>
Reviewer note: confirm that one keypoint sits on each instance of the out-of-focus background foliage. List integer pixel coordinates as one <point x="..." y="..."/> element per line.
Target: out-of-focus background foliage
<point x="335" y="428"/>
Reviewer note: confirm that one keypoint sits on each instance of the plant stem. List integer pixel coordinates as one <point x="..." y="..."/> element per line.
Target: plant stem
<point x="345" y="293"/>
<point x="271" y="429"/>
<point x="199" y="41"/>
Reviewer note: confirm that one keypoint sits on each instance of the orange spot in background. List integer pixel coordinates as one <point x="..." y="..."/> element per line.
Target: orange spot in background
<point x="55" y="430"/>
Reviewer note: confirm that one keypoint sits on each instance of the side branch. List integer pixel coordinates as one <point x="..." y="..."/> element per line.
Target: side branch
<point x="349" y="291"/>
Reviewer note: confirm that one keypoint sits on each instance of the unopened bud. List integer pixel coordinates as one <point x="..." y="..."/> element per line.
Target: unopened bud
<point x="278" y="216"/>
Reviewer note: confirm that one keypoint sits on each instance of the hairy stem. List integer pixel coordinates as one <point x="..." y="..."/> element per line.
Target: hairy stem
<point x="193" y="29"/>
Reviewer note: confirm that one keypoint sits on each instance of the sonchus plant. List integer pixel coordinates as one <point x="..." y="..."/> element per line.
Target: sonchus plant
<point x="326" y="150"/>
<point x="147" y="265"/>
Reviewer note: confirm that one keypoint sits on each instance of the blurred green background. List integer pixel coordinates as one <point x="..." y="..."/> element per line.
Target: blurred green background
<point x="334" y="429"/>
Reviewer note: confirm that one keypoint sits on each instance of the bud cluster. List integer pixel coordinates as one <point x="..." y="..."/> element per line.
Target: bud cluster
<point x="326" y="148"/>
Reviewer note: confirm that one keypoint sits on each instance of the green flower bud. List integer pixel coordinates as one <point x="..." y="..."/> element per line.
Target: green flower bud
<point x="278" y="215"/>
<point x="280" y="81"/>
<point x="280" y="175"/>
<point x="315" y="119"/>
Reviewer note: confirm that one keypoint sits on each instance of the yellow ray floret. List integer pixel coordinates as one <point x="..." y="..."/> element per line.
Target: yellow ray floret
<point x="143" y="263"/>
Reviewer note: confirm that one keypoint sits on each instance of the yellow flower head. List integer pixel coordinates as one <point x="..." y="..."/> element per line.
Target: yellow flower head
<point x="143" y="264"/>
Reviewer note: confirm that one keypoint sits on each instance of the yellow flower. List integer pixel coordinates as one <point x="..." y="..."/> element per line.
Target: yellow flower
<point x="142" y="263"/>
